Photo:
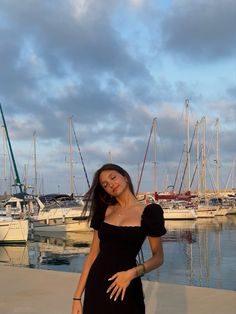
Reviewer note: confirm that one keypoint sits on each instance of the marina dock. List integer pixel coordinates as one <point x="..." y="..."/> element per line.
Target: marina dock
<point x="33" y="291"/>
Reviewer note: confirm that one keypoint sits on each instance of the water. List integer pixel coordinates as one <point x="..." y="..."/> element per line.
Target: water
<point x="198" y="253"/>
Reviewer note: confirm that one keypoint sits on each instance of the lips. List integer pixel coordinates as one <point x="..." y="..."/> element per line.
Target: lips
<point x="115" y="189"/>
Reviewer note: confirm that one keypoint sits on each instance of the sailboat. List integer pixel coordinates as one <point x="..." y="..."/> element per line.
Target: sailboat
<point x="172" y="206"/>
<point x="13" y="230"/>
<point x="63" y="212"/>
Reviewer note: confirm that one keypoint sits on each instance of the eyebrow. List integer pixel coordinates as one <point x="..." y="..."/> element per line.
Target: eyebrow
<point x="112" y="173"/>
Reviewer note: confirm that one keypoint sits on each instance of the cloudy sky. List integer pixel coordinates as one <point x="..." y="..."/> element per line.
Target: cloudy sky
<point x="114" y="66"/>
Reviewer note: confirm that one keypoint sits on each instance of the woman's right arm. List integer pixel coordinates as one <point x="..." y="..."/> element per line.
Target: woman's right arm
<point x="94" y="250"/>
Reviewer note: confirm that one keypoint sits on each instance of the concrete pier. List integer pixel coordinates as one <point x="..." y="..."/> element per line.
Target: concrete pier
<point x="33" y="291"/>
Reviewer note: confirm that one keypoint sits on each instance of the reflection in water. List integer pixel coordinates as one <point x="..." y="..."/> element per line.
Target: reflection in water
<point x="207" y="258"/>
<point x="14" y="255"/>
<point x="58" y="248"/>
<point x="198" y="253"/>
<point x="180" y="224"/>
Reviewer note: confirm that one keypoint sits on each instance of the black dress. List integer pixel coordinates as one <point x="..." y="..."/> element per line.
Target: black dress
<point x="119" y="247"/>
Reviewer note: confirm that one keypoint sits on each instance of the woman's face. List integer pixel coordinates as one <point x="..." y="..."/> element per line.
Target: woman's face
<point x="113" y="182"/>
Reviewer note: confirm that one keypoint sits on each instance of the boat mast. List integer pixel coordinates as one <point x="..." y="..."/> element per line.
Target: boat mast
<point x="109" y="157"/>
<point x="155" y="155"/>
<point x="4" y="161"/>
<point x="81" y="157"/>
<point x="233" y="170"/>
<point x="35" y="166"/>
<point x="217" y="156"/>
<point x="187" y="146"/>
<point x="203" y="168"/>
<point x="17" y="178"/>
<point x="197" y="157"/>
<point x="71" y="161"/>
<point x="144" y="160"/>
<point x="25" y="178"/>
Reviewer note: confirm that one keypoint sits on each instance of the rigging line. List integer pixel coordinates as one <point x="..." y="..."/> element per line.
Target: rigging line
<point x="145" y="156"/>
<point x="209" y="146"/>
<point x="194" y="173"/>
<point x="177" y="172"/>
<point x="182" y="179"/>
<point x="230" y="176"/>
<point x="167" y="169"/>
<point x="185" y="168"/>
<point x="195" y="170"/>
<point x="211" y="179"/>
<point x="11" y="170"/>
<point x="81" y="157"/>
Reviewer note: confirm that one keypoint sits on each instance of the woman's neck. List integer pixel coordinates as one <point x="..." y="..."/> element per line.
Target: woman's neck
<point x="126" y="200"/>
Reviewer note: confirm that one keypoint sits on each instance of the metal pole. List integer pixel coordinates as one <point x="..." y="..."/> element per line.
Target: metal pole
<point x="71" y="161"/>
<point x="197" y="157"/>
<point x="187" y="148"/>
<point x="217" y="156"/>
<point x="17" y="178"/>
<point x="4" y="160"/>
<point x="35" y="166"/>
<point x="155" y="154"/>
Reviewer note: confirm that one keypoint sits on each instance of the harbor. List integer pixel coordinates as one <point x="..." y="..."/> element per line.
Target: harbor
<point x="198" y="253"/>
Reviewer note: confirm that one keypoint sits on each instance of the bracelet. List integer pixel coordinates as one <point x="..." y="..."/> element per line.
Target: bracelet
<point x="143" y="269"/>
<point x="77" y="299"/>
<point x="142" y="272"/>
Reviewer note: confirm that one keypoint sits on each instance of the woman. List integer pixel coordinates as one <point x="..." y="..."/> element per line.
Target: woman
<point x="111" y="276"/>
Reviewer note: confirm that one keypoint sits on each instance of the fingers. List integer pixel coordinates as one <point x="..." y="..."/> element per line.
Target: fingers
<point x="123" y="294"/>
<point x="118" y="286"/>
<point x="113" y="277"/>
<point x="111" y="286"/>
<point x="116" y="291"/>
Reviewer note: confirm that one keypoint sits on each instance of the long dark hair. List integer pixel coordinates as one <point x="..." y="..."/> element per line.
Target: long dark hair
<point x="97" y="198"/>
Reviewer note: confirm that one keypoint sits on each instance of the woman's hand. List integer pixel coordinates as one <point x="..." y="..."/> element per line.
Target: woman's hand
<point x="121" y="281"/>
<point x="77" y="307"/>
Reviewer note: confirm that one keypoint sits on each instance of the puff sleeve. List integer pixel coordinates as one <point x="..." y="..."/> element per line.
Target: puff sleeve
<point x="97" y="219"/>
<point x="153" y="221"/>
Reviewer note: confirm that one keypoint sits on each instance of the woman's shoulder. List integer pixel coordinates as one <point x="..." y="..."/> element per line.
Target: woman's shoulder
<point x="153" y="221"/>
<point x="97" y="218"/>
<point x="151" y="209"/>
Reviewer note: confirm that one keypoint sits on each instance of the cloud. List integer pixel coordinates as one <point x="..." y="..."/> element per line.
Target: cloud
<point x="200" y="30"/>
<point x="77" y="56"/>
<point x="73" y="58"/>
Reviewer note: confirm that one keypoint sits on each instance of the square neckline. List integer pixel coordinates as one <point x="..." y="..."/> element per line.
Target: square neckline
<point x="128" y="226"/>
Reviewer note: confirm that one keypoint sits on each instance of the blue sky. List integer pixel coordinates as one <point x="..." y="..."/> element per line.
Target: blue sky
<point x="114" y="66"/>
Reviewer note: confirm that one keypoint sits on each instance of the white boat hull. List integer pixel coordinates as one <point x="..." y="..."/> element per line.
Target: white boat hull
<point x="209" y="212"/>
<point x="179" y="213"/>
<point x="13" y="231"/>
<point x="222" y="211"/>
<point x="61" y="220"/>
<point x="50" y="226"/>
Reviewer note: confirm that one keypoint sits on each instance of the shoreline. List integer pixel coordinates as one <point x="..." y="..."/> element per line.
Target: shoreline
<point x="35" y="291"/>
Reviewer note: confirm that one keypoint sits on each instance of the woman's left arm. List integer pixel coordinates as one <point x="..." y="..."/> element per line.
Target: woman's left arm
<point x="157" y="258"/>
